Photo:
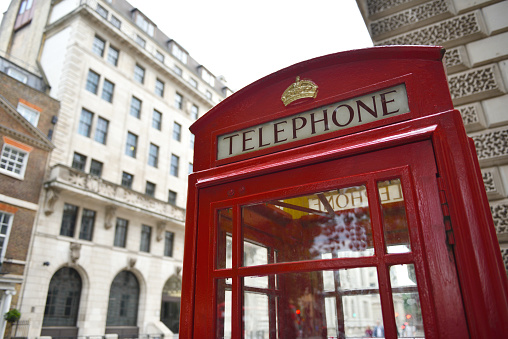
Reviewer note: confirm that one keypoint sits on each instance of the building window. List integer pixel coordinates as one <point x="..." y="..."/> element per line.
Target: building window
<point x="178" y="70"/>
<point x="194" y="112"/>
<point x="120" y="232"/>
<point x="190" y="168"/>
<point x="29" y="113"/>
<point x="191" y="143"/>
<point x="113" y="55"/>
<point x="169" y="238"/>
<point x="102" y="11"/>
<point x="13" y="161"/>
<point x="159" y="56"/>
<point x="98" y="46"/>
<point x="150" y="188"/>
<point x="174" y="165"/>
<point x="5" y="229"/>
<point x="139" y="74"/>
<point x="101" y="131"/>
<point x="159" y="87"/>
<point x="25" y="14"/>
<point x="62" y="302"/>
<point x="193" y="83"/>
<point x="79" y="161"/>
<point x="179" y="53"/>
<point x="123" y="300"/>
<point x="177" y="131"/>
<point x="153" y="155"/>
<point x="85" y="123"/>
<point x="14" y="73"/>
<point x="70" y="214"/>
<point x="144" y="24"/>
<point x="127" y="180"/>
<point x="207" y="77"/>
<point x="172" y="197"/>
<point x="131" y="144"/>
<point x="157" y="120"/>
<point x="208" y="95"/>
<point x="114" y="20"/>
<point x="146" y="235"/>
<point x="140" y="41"/>
<point x="87" y="224"/>
<point x="178" y="101"/>
<point x="92" y="81"/>
<point x="96" y="168"/>
<point x="107" y="90"/>
<point x="135" y="110"/>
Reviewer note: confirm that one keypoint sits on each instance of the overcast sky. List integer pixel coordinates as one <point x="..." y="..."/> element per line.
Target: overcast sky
<point x="246" y="40"/>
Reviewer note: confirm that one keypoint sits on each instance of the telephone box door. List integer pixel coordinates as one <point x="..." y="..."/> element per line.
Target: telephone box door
<point x="344" y="248"/>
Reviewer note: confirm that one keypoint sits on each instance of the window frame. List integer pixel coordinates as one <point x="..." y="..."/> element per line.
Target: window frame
<point x="159" y="87"/>
<point x="153" y="155"/>
<point x="120" y="239"/>
<point x="29" y="113"/>
<point x="98" y="46"/>
<point x="101" y="132"/>
<point x="178" y="100"/>
<point x="79" y="161"/>
<point x="92" y="81"/>
<point x="177" y="131"/>
<point x="113" y="55"/>
<point x="85" y="123"/>
<point x="135" y="107"/>
<point x="8" y="224"/>
<point x="157" y="123"/>
<point x="131" y="145"/>
<point x="175" y="165"/>
<point x="139" y="73"/>
<point x="169" y="244"/>
<point x="127" y="180"/>
<point x="73" y="222"/>
<point x="108" y="89"/>
<point x="93" y="168"/>
<point x="86" y="218"/>
<point x="146" y="238"/>
<point x="6" y="160"/>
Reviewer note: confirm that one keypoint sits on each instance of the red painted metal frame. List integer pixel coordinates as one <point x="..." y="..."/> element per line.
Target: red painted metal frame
<point x="480" y="269"/>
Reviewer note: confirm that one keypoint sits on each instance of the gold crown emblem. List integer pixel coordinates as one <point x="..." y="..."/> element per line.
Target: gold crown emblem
<point x="298" y="90"/>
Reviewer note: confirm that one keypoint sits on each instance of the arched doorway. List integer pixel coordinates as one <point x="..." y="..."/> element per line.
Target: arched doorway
<point x="62" y="304"/>
<point x="123" y="306"/>
<point x="170" y="305"/>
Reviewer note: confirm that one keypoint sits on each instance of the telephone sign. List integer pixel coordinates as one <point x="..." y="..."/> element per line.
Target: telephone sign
<point x="340" y="197"/>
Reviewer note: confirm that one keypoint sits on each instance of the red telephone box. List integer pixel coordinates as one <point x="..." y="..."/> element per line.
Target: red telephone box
<point x="341" y="198"/>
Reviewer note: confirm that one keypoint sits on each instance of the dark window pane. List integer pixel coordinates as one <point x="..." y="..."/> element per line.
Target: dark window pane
<point x="87" y="224"/>
<point x="96" y="168"/>
<point x="120" y="232"/>
<point x="150" y="189"/>
<point x="113" y="54"/>
<point x="168" y="244"/>
<point x="172" y="197"/>
<point x="131" y="144"/>
<point x="159" y="88"/>
<point x="146" y="234"/>
<point x="98" y="46"/>
<point x="153" y="155"/>
<point x="107" y="90"/>
<point x="123" y="300"/>
<point x="79" y="161"/>
<point x="127" y="179"/>
<point x="178" y="101"/>
<point x="135" y="110"/>
<point x="139" y="73"/>
<point x="157" y="120"/>
<point x="92" y="81"/>
<point x="69" y="216"/>
<point x="62" y="302"/>
<point x="101" y="131"/>
<point x="177" y="131"/>
<point x="85" y="123"/>
<point x="174" y="165"/>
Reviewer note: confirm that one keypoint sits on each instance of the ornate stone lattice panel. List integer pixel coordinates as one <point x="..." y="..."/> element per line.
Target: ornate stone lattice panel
<point x="447" y="33"/>
<point x="493" y="185"/>
<point x="415" y="17"/>
<point x="492" y="147"/>
<point x="504" y="254"/>
<point x="500" y="216"/>
<point x="476" y="84"/>
<point x="456" y="59"/>
<point x="473" y="117"/>
<point x="379" y="6"/>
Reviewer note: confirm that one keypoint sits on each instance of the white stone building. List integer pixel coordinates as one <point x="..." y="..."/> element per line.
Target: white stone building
<point x="107" y="250"/>
<point x="475" y="35"/>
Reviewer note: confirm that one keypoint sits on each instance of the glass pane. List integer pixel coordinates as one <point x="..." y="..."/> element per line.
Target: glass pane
<point x="394" y="216"/>
<point x="256" y="315"/>
<point x="303" y="307"/>
<point x="306" y="227"/>
<point x="255" y="255"/>
<point x="224" y="238"/>
<point x="223" y="310"/>
<point x="406" y="302"/>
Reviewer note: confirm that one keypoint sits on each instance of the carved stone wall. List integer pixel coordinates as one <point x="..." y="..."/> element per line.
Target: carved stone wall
<point x="472" y="116"/>
<point x="456" y="59"/>
<point x="460" y="28"/>
<point x="492" y="182"/>
<point x="378" y="6"/>
<point x="504" y="253"/>
<point x="500" y="215"/>
<point x="475" y="84"/>
<point x="410" y="17"/>
<point x="492" y="146"/>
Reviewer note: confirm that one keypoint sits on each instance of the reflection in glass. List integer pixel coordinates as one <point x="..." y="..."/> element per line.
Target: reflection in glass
<point x="223" y="310"/>
<point x="394" y="216"/>
<point x="303" y="307"/>
<point x="224" y="239"/>
<point x="255" y="255"/>
<point x="406" y="301"/>
<point x="306" y="227"/>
